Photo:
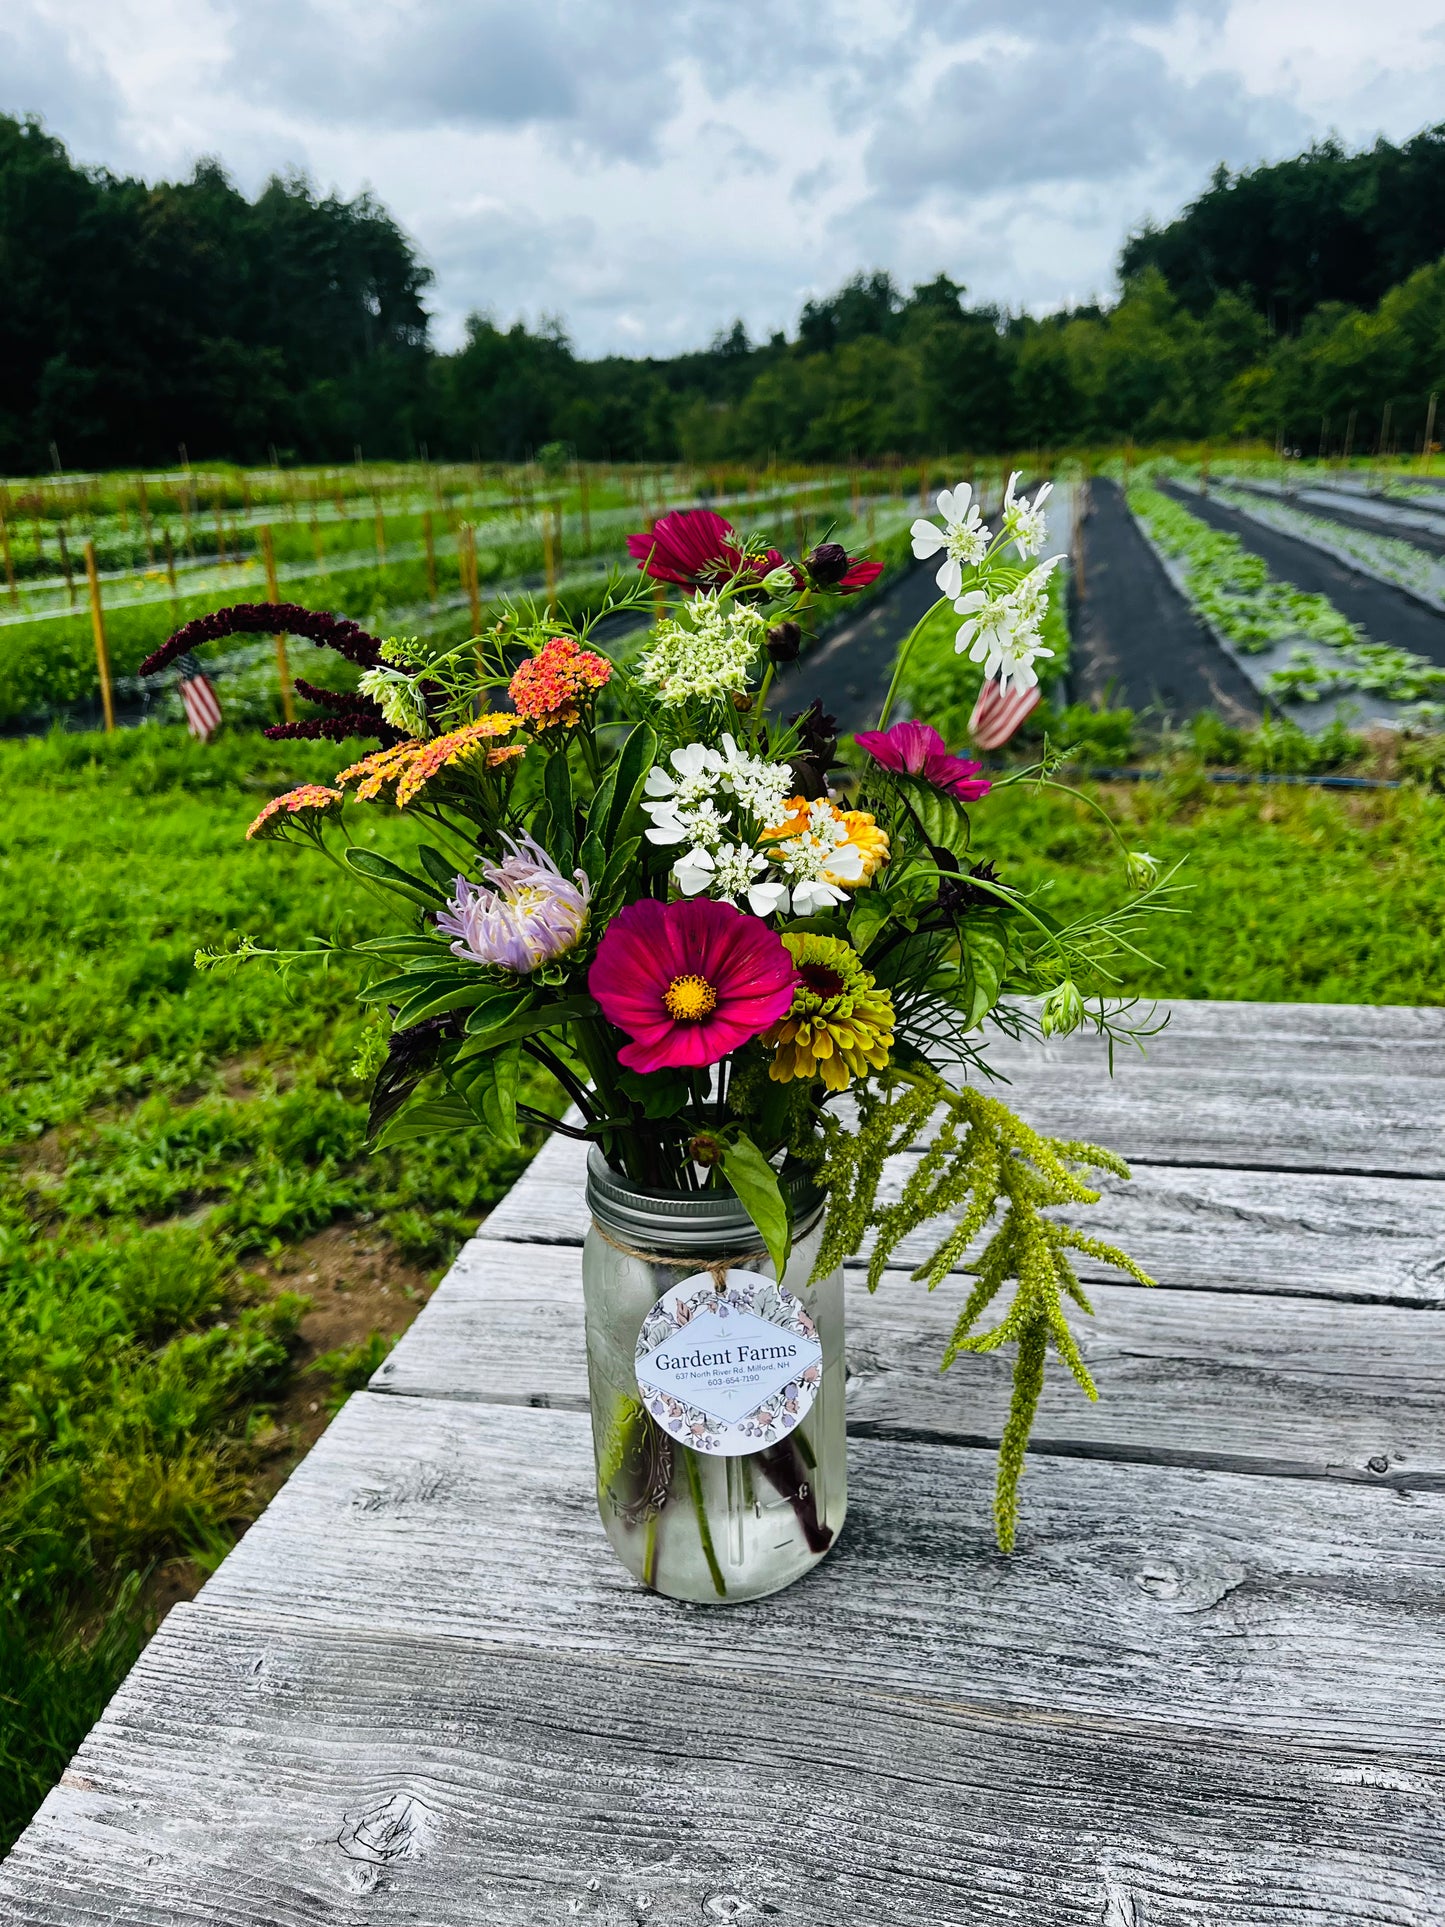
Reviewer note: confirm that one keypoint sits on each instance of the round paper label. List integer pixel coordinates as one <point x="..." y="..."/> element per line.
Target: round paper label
<point x="728" y="1370"/>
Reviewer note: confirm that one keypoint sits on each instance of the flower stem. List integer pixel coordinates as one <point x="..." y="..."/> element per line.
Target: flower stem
<point x="903" y="655"/>
<point x="704" y="1530"/>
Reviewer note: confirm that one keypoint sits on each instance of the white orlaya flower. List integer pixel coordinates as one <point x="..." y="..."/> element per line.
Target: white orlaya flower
<point x="696" y="769"/>
<point x="693" y="872"/>
<point x="963" y="538"/>
<point x="703" y="825"/>
<point x="1024" y="523"/>
<point x="1002" y="632"/>
<point x="741" y="871"/>
<point x="761" y="787"/>
<point x="813" y="895"/>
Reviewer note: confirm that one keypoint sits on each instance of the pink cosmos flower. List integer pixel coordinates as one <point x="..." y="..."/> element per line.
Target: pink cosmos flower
<point x="917" y="749"/>
<point x="697" y="548"/>
<point x="689" y="982"/>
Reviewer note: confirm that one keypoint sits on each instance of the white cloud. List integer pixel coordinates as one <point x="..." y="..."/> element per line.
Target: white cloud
<point x="649" y="170"/>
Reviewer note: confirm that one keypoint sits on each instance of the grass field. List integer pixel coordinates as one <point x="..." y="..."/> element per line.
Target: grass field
<point x="197" y="1257"/>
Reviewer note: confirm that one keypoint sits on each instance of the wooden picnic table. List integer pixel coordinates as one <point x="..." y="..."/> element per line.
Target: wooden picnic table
<point x="1208" y="1688"/>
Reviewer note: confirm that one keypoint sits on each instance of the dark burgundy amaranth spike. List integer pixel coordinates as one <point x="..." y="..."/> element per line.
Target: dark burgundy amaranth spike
<point x="336" y="729"/>
<point x="327" y="631"/>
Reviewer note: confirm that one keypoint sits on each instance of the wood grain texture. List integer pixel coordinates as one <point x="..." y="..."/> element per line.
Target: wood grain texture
<point x="1187" y="1378"/>
<point x="244" y="1776"/>
<point x="1288" y="1608"/>
<point x="1372" y="1240"/>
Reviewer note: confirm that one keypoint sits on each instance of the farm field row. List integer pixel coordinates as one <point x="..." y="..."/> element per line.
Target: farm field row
<point x="408" y="574"/>
<point x="1288" y="596"/>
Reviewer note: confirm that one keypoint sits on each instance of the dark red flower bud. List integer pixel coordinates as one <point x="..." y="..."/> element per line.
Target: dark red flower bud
<point x="827" y="564"/>
<point x="785" y="639"/>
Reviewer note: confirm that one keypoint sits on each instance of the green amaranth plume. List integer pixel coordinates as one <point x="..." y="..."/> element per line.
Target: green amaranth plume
<point x="981" y="1158"/>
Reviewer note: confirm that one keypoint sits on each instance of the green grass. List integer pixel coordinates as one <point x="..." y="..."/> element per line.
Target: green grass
<point x="1296" y="895"/>
<point x="167" y="1133"/>
<point x="163" y="1131"/>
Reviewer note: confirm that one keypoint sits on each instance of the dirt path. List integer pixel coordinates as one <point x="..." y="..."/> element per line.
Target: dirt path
<point x="1136" y="642"/>
<point x="849" y="670"/>
<point x="1384" y="613"/>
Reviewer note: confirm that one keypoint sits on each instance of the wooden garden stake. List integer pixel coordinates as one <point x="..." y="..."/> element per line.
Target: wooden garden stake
<point x="467" y="556"/>
<point x="288" y="701"/>
<point x="9" y="562"/>
<point x="65" y="564"/>
<point x="1428" y="449"/>
<point x="431" y="557"/>
<point x="549" y="555"/>
<point x="171" y="565"/>
<point x="97" y="623"/>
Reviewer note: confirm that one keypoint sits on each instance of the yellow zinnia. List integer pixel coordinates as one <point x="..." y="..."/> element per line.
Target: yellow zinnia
<point x="840" y="1024"/>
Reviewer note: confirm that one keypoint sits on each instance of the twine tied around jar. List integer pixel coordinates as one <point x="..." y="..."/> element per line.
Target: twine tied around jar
<point x="717" y="1268"/>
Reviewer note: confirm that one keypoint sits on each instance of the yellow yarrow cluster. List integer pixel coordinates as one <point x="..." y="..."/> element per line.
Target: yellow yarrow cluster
<point x="412" y="765"/>
<point x="840" y="1025"/>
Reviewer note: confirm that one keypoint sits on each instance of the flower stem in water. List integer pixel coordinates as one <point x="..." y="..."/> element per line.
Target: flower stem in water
<point x="689" y="1460"/>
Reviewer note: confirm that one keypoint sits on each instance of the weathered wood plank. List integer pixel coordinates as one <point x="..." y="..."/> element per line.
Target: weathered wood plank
<point x="1275" y="1607"/>
<point x="1376" y="1240"/>
<point x="253" y="1771"/>
<point x="1187" y="1378"/>
<point x="1320" y="1039"/>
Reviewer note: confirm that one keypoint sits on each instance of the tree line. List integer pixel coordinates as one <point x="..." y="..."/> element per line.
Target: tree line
<point x="1303" y="301"/>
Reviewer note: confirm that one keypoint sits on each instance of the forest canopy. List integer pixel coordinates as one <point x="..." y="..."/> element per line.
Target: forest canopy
<point x="1303" y="301"/>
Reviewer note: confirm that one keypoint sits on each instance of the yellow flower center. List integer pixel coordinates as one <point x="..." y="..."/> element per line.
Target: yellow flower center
<point x="689" y="997"/>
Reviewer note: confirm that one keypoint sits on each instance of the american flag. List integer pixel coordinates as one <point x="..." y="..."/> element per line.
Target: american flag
<point x="996" y="716"/>
<point x="203" y="711"/>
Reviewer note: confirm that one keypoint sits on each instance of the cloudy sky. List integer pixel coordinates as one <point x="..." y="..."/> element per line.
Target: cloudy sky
<point x="649" y="171"/>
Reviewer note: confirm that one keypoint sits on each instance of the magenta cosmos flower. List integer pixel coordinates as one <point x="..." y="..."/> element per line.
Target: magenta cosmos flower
<point x="917" y="749"/>
<point x="697" y="548"/>
<point x="689" y="982"/>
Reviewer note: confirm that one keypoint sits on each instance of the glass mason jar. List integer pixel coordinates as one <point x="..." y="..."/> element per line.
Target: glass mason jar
<point x="698" y="1524"/>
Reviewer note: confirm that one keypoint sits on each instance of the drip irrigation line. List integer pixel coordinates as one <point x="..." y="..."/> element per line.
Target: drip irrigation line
<point x="1106" y="775"/>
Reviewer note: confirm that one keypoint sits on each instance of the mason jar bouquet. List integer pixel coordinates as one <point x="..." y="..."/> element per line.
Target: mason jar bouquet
<point x="754" y="971"/>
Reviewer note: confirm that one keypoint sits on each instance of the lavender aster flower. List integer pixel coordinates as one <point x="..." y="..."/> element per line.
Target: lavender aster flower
<point x="532" y="915"/>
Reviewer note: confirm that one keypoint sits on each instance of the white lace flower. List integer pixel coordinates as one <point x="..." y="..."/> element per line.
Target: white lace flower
<point x="708" y="655"/>
<point x="1002" y="632"/>
<point x="819" y="861"/>
<point x="1024" y="523"/>
<point x="761" y="787"/>
<point x="963" y="538"/>
<point x="693" y="872"/>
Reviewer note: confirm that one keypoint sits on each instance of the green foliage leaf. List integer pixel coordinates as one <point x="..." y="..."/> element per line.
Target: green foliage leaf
<point x="560" y="838"/>
<point x="441" y="869"/>
<point x="634" y="760"/>
<point x="985" y="959"/>
<point x="490" y="1083"/>
<point x="549" y="1016"/>
<point x="871" y="911"/>
<point x="942" y="821"/>
<point x="759" y="1191"/>
<point x="381" y="869"/>
<point x="429" y="1117"/>
<point x="660" y="1093"/>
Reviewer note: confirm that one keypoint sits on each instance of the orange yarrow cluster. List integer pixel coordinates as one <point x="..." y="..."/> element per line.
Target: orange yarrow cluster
<point x="550" y="688"/>
<point x="412" y="765"/>
<point x="312" y="799"/>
